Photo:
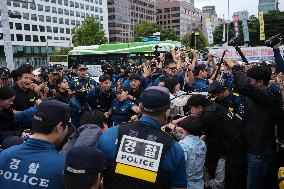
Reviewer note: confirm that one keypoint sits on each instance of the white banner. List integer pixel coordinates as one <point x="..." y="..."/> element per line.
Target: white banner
<point x="209" y="31"/>
<point x="224" y="29"/>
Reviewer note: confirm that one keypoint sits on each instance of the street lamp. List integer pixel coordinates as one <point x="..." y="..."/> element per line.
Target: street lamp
<point x="228" y="23"/>
<point x="195" y="35"/>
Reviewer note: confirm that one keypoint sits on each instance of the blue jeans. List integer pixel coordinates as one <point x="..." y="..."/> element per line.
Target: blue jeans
<point x="258" y="166"/>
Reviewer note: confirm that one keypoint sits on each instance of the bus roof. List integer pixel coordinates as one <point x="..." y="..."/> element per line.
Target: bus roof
<point x="135" y="47"/>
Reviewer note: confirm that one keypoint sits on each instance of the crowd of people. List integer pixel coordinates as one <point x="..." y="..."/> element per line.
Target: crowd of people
<point x="171" y="122"/>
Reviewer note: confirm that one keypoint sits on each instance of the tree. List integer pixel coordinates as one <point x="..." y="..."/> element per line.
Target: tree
<point x="59" y="55"/>
<point x="201" y="40"/>
<point x="91" y="32"/>
<point x="146" y="29"/>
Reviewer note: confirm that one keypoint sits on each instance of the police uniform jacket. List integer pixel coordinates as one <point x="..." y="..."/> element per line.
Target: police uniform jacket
<point x="173" y="161"/>
<point x="32" y="165"/>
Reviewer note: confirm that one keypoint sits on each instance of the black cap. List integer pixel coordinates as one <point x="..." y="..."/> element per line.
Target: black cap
<point x="4" y="73"/>
<point x="81" y="67"/>
<point x="155" y="99"/>
<point x="121" y="88"/>
<point x="44" y="76"/>
<point x="83" y="160"/>
<point x="198" y="68"/>
<point x="215" y="88"/>
<point x="53" y="112"/>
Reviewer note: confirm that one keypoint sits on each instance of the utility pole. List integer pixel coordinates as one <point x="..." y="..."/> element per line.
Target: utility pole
<point x="8" y="49"/>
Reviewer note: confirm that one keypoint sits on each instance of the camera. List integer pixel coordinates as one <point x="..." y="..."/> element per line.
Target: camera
<point x="274" y="40"/>
<point x="235" y="41"/>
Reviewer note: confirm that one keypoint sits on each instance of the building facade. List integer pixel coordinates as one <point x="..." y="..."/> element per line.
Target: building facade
<point x="47" y="24"/>
<point x="123" y="14"/>
<point x="267" y="5"/>
<point x="178" y="15"/>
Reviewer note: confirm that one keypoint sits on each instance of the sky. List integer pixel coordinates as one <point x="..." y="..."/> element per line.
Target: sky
<point x="235" y="5"/>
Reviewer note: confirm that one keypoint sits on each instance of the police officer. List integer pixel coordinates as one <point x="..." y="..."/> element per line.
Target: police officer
<point x="82" y="79"/>
<point x="101" y="98"/>
<point x="5" y="77"/>
<point x="136" y="88"/>
<point x="122" y="107"/>
<point x="139" y="155"/>
<point x="36" y="163"/>
<point x="51" y="84"/>
<point x="201" y="82"/>
<point x="233" y="101"/>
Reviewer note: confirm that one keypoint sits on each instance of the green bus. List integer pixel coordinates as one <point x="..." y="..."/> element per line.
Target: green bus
<point x="120" y="53"/>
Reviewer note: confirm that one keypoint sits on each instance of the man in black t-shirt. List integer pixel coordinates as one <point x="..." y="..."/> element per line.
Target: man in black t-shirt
<point x="135" y="88"/>
<point x="25" y="97"/>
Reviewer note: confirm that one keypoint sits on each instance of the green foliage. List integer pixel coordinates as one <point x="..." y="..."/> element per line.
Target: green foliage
<point x="146" y="29"/>
<point x="58" y="55"/>
<point x="272" y="25"/>
<point x="201" y="40"/>
<point x="90" y="32"/>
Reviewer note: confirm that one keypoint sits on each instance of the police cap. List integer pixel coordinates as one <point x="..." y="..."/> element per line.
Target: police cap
<point x="215" y="88"/>
<point x="155" y="99"/>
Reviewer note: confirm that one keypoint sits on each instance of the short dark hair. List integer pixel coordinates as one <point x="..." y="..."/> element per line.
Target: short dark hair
<point x="197" y="100"/>
<point x="93" y="117"/>
<point x="171" y="84"/>
<point x="168" y="62"/>
<point x="59" y="80"/>
<point x="85" y="181"/>
<point x="192" y="125"/>
<point x="104" y="78"/>
<point x="260" y="72"/>
<point x="6" y="93"/>
<point x="23" y="70"/>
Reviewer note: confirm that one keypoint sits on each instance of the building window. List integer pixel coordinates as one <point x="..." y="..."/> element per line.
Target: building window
<point x="33" y="6"/>
<point x="61" y="21"/>
<point x="67" y="30"/>
<point x="96" y="9"/>
<point x="87" y="7"/>
<point x="27" y="27"/>
<point x="61" y="30"/>
<point x="167" y="10"/>
<point x="48" y="19"/>
<point x="53" y="1"/>
<point x="25" y="5"/>
<point x="35" y="38"/>
<point x="41" y="18"/>
<point x="42" y="38"/>
<point x="48" y="29"/>
<point x="92" y="8"/>
<point x="71" y="13"/>
<point x="18" y="26"/>
<point x="47" y="8"/>
<point x="73" y="22"/>
<point x="59" y="2"/>
<point x="26" y="16"/>
<point x="101" y="18"/>
<point x="71" y="4"/>
<point x="159" y="11"/>
<point x="12" y="37"/>
<point x="100" y="2"/>
<point x="33" y="17"/>
<point x="78" y="22"/>
<point x="82" y="15"/>
<point x="96" y="1"/>
<point x="54" y="10"/>
<point x="54" y="19"/>
<point x="34" y="28"/>
<point x="67" y="21"/>
<point x="40" y="7"/>
<point x="82" y="5"/>
<point x="175" y="8"/>
<point x="11" y="25"/>
<point x="56" y="38"/>
<point x="77" y="14"/>
<point x="49" y="37"/>
<point x="55" y="29"/>
<point x="16" y="4"/>
<point x="66" y="12"/>
<point x="41" y="28"/>
<point x="28" y="38"/>
<point x="66" y="2"/>
<point x="19" y="37"/>
<point x="76" y="5"/>
<point x="101" y="10"/>
<point x="60" y="11"/>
